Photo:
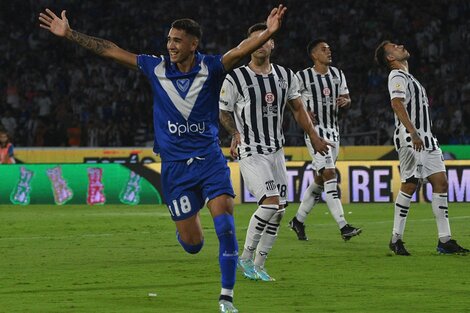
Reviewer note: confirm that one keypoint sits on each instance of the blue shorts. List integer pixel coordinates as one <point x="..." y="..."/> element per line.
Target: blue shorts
<point x="187" y="185"/>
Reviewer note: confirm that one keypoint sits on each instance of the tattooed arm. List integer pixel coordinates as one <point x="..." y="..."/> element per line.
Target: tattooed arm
<point x="60" y="27"/>
<point x="227" y="121"/>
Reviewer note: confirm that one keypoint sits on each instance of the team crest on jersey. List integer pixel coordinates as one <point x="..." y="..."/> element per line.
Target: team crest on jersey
<point x="326" y="91"/>
<point x="282" y="83"/>
<point x="183" y="84"/>
<point x="269" y="98"/>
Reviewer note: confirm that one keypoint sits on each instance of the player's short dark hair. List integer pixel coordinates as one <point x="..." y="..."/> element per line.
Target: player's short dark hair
<point x="380" y="55"/>
<point x="312" y="44"/>
<point x="256" y="27"/>
<point x="189" y="26"/>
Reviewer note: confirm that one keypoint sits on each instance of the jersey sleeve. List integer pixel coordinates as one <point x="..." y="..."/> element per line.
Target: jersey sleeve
<point x="397" y="85"/>
<point x="228" y="95"/>
<point x="294" y="88"/>
<point x="343" y="88"/>
<point x="301" y="79"/>
<point x="146" y="63"/>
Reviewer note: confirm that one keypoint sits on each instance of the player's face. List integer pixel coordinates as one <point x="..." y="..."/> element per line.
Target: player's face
<point x="265" y="50"/>
<point x="180" y="45"/>
<point x="3" y="138"/>
<point x="396" y="52"/>
<point x="322" y="53"/>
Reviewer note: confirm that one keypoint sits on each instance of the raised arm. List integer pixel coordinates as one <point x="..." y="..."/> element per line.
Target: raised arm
<point x="398" y="106"/>
<point x="60" y="27"/>
<point x="303" y="118"/>
<point x="247" y="46"/>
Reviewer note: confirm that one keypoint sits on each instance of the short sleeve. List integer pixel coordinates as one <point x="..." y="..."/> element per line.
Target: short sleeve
<point x="228" y="95"/>
<point x="147" y="63"/>
<point x="343" y="88"/>
<point x="294" y="88"/>
<point x="397" y="85"/>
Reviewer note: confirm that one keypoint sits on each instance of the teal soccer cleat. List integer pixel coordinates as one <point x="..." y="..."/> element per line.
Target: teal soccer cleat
<point x="262" y="274"/>
<point x="248" y="268"/>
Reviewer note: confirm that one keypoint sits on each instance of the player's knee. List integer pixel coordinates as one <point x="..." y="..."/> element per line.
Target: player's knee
<point x="191" y="247"/>
<point x="277" y="217"/>
<point x="328" y="174"/>
<point x="224" y="224"/>
<point x="440" y="186"/>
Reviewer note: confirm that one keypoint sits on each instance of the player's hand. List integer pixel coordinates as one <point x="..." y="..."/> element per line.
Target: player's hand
<point x="236" y="141"/>
<point x="343" y="102"/>
<point x="417" y="142"/>
<point x="320" y="145"/>
<point x="275" y="18"/>
<point x="59" y="26"/>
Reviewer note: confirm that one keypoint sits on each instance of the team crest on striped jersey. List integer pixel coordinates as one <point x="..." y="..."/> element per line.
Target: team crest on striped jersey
<point x="326" y="91"/>
<point x="282" y="83"/>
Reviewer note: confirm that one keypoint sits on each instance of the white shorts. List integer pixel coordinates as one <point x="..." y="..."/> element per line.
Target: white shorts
<point x="265" y="175"/>
<point x="323" y="161"/>
<point x="420" y="164"/>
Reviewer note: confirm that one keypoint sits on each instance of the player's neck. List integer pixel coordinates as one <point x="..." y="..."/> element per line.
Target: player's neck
<point x="321" y="69"/>
<point x="260" y="65"/>
<point x="403" y="66"/>
<point x="186" y="65"/>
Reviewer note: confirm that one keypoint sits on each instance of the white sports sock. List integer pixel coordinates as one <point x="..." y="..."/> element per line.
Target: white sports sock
<point x="227" y="292"/>
<point x="268" y="238"/>
<point x="440" y="210"/>
<point x="311" y="197"/>
<point x="333" y="202"/>
<point x="257" y="224"/>
<point x="402" y="206"/>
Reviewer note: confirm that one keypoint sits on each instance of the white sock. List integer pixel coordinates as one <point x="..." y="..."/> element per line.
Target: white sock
<point x="258" y="222"/>
<point x="311" y="197"/>
<point x="268" y="238"/>
<point x="440" y="210"/>
<point x="227" y="292"/>
<point x="402" y="206"/>
<point x="333" y="202"/>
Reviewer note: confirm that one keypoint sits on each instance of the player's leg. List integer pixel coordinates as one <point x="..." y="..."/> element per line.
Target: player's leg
<point x="409" y="184"/>
<point x="334" y="204"/>
<point x="311" y="197"/>
<point x="259" y="180"/>
<point x="189" y="234"/>
<point x="183" y="204"/>
<point x="217" y="189"/>
<point x="221" y="208"/>
<point x="268" y="238"/>
<point x="434" y="170"/>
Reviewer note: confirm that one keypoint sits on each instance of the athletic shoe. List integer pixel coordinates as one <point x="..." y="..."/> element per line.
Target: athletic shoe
<point x="450" y="247"/>
<point x="349" y="231"/>
<point x="248" y="268"/>
<point x="299" y="228"/>
<point x="262" y="274"/>
<point x="398" y="248"/>
<point x="227" y="307"/>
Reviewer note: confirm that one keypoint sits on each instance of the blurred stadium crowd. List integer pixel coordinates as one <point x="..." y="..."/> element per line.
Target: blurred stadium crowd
<point x="55" y="93"/>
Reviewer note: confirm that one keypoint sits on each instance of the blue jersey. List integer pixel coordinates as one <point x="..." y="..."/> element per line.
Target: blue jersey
<point x="185" y="105"/>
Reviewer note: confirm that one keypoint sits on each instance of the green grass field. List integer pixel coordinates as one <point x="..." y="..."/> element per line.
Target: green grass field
<point x="109" y="258"/>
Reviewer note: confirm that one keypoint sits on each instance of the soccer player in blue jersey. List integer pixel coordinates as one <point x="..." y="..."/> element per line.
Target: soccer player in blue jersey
<point x="186" y="87"/>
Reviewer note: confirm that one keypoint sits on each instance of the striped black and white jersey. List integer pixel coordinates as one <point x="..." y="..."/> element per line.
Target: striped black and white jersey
<point x="403" y="85"/>
<point x="258" y="102"/>
<point x="319" y="93"/>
